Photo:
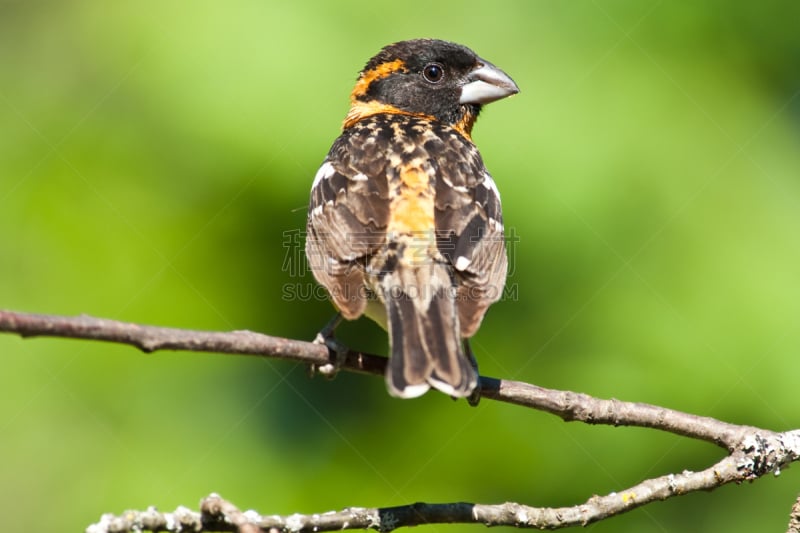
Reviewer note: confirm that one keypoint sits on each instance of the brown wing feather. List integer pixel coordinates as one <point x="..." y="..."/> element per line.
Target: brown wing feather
<point x="470" y="230"/>
<point x="347" y="217"/>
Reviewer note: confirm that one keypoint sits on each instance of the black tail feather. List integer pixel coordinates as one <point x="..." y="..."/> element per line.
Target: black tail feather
<point x="425" y="339"/>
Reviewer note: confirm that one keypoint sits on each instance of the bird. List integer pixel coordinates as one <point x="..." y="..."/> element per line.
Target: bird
<point x="404" y="221"/>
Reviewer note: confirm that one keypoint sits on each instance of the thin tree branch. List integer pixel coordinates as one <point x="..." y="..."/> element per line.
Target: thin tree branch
<point x="570" y="406"/>
<point x="753" y="452"/>
<point x="761" y="453"/>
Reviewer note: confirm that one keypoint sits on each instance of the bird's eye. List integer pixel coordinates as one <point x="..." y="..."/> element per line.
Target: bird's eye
<point x="433" y="72"/>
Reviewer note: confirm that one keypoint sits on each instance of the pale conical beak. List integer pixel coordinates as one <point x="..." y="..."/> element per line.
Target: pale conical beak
<point x="487" y="83"/>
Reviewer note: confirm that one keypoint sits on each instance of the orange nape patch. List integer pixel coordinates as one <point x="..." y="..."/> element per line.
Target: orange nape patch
<point x="412" y="207"/>
<point x="360" y="110"/>
<point x="381" y="71"/>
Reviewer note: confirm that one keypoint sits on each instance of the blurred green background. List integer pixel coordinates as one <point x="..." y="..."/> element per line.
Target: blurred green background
<point x="155" y="161"/>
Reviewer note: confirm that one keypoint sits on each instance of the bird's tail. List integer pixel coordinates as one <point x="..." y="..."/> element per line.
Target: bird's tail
<point x="424" y="333"/>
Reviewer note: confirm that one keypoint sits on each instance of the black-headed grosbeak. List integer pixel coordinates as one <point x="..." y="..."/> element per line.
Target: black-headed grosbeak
<point x="404" y="222"/>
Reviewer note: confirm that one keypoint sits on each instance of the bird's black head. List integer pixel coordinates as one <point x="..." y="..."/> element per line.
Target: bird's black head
<point x="439" y="79"/>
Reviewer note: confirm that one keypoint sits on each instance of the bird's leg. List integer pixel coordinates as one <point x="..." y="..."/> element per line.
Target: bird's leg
<point x="337" y="350"/>
<point x="475" y="396"/>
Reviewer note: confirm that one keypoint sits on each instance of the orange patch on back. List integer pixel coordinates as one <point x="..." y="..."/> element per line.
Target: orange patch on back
<point x="412" y="208"/>
<point x="381" y="71"/>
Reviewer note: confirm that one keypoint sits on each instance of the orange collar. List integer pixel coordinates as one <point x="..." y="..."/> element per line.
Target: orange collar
<point x="360" y="110"/>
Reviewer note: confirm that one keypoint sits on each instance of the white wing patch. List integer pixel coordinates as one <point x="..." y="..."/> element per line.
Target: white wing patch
<point x="324" y="172"/>
<point x="462" y="263"/>
<point x="489" y="183"/>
